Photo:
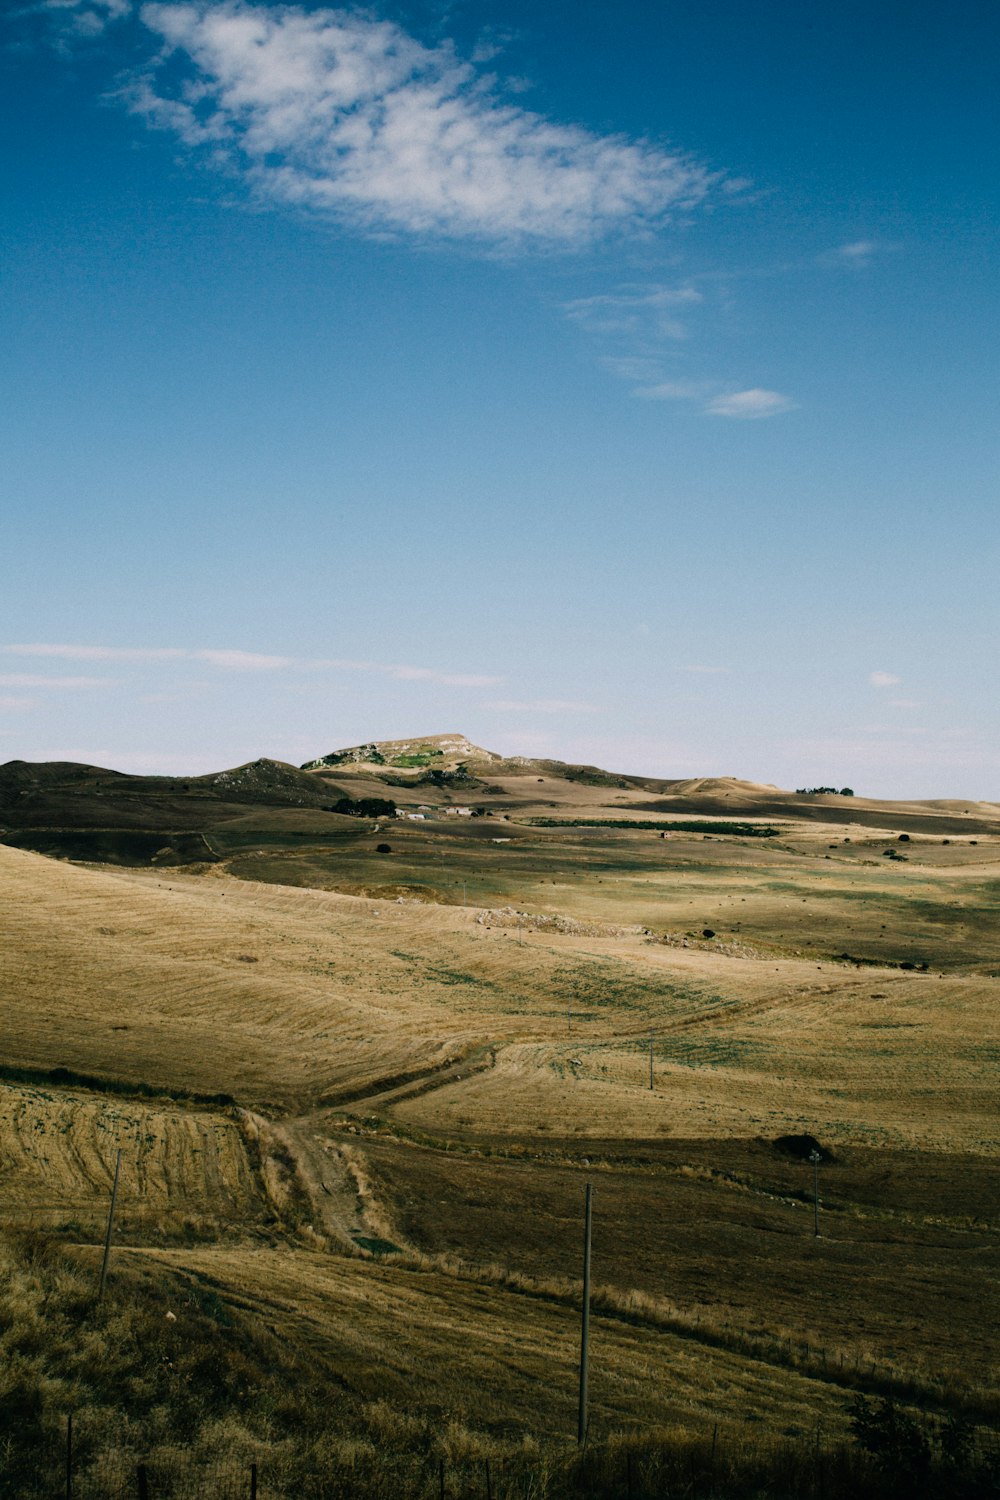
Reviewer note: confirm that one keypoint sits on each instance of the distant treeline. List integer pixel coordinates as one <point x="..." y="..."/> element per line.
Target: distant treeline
<point x="739" y="830"/>
<point x="824" y="791"/>
<point x="364" y="807"/>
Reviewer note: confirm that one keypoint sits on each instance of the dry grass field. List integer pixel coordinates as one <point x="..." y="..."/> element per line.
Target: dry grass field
<point x="358" y="1094"/>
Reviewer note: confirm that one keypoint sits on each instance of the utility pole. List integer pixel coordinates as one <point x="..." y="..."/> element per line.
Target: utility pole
<point x="111" y="1222"/>
<point x="581" y="1420"/>
<point x="815" y="1158"/>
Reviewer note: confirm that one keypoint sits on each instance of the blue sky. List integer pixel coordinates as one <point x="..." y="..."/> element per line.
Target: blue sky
<point x="611" y="383"/>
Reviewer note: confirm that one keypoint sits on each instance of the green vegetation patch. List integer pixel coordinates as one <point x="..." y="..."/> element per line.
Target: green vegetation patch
<point x="416" y="758"/>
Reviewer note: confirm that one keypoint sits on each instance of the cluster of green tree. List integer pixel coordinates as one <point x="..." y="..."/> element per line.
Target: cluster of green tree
<point x="819" y="791"/>
<point x="364" y="807"/>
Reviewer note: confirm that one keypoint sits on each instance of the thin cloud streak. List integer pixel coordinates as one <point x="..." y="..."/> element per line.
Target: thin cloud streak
<point x="858" y="253"/>
<point x="32" y="680"/>
<point x="541" y="706"/>
<point x="237" y="661"/>
<point x="750" y="405"/>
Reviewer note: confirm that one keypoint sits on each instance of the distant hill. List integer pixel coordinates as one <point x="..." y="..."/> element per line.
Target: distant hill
<point x="452" y="761"/>
<point x="94" y="814"/>
<point x="91" y="813"/>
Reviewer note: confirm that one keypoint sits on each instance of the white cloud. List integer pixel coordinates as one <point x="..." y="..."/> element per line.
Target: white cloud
<point x="95" y="653"/>
<point x="541" y="706"/>
<point x="240" y="661"/>
<point x="750" y="404"/>
<point x="80" y="19"/>
<point x="337" y="112"/>
<point x="883" y="679"/>
<point x="28" y="679"/>
<point x="857" y="253"/>
<point x="243" y="661"/>
<point x="9" y="701"/>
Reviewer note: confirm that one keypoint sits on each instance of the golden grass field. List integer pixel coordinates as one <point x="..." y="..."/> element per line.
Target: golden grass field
<point x="428" y="1053"/>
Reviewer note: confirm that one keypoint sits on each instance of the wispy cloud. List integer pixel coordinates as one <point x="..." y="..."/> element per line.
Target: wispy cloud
<point x="240" y="661"/>
<point x="883" y="679"/>
<point x="750" y="405"/>
<point x="231" y="661"/>
<point x="746" y="405"/>
<point x="34" y="680"/>
<point x="78" y="19"/>
<point x="541" y="706"/>
<point x="338" y="112"/>
<point x="244" y="661"/>
<point x="650" y="311"/>
<point x="904" y="703"/>
<point x="857" y="253"/>
<point x="11" y="701"/>
<point x="92" y="653"/>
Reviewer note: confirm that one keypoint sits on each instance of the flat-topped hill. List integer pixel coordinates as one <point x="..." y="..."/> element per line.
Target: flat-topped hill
<point x="444" y="750"/>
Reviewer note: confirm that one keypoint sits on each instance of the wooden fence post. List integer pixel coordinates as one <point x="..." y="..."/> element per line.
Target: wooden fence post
<point x="111" y="1222"/>
<point x="69" y="1456"/>
<point x="581" y="1415"/>
<point x="143" y="1483"/>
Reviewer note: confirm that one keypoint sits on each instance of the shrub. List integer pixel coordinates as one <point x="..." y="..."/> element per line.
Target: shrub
<point x="895" y="1438"/>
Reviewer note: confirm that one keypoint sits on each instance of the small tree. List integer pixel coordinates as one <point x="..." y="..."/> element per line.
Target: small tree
<point x="896" y="1440"/>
